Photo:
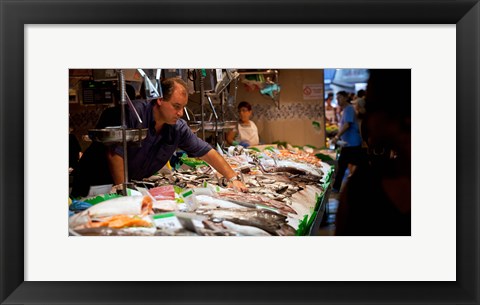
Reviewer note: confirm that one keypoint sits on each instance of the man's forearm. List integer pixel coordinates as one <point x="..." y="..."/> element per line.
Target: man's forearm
<point x="230" y="137"/>
<point x="115" y="164"/>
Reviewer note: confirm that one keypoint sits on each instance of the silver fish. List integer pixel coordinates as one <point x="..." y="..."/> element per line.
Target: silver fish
<point x="263" y="219"/>
<point x="286" y="230"/>
<point x="106" y="231"/>
<point x="245" y="230"/>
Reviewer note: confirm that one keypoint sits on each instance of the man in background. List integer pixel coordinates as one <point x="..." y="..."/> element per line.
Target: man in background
<point x="351" y="141"/>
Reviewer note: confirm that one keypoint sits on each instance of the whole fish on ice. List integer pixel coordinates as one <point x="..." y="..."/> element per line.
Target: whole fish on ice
<point x="138" y="206"/>
<point x="244" y="230"/>
<point x="263" y="219"/>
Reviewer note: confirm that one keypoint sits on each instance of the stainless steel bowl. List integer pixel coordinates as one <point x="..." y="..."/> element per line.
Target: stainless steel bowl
<point x="211" y="126"/>
<point x="230" y="125"/>
<point x="220" y="125"/>
<point x="195" y="126"/>
<point x="114" y="135"/>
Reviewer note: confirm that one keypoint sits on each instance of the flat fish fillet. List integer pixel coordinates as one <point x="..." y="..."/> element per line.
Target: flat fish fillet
<point x="166" y="192"/>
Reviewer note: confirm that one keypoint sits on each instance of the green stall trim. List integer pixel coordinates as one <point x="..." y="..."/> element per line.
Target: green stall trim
<point x="311" y="220"/>
<point x="105" y="197"/>
<point x="270" y="148"/>
<point x="302" y="226"/>
<point x="306" y="223"/>
<point x="318" y="200"/>
<point x="280" y="143"/>
<point x="192" y="162"/>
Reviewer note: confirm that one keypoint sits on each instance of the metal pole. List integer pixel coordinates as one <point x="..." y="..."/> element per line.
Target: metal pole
<point x="199" y="74"/>
<point x="216" y="120"/>
<point x="124" y="131"/>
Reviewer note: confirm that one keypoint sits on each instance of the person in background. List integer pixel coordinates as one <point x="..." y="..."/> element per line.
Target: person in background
<point x="74" y="152"/>
<point x="351" y="97"/>
<point x="376" y="200"/>
<point x="359" y="107"/>
<point x="103" y="164"/>
<point x="330" y="110"/>
<point x="350" y="135"/>
<point x="359" y="103"/>
<point x="246" y="133"/>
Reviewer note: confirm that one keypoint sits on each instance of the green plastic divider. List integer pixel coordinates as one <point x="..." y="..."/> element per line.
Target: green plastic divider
<point x="306" y="223"/>
<point x="302" y="226"/>
<point x="318" y="200"/>
<point x="310" y="221"/>
<point x="177" y="189"/>
<point x="193" y="162"/>
<point x="281" y="143"/>
<point x="328" y="178"/>
<point x="101" y="198"/>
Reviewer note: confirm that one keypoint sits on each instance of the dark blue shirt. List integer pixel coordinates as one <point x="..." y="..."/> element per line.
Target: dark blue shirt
<point x="145" y="158"/>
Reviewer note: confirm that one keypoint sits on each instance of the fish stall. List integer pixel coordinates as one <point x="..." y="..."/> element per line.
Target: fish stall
<point x="287" y="194"/>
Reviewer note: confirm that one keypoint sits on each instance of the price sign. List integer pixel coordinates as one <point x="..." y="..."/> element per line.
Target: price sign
<point x="188" y="197"/>
<point x="167" y="221"/>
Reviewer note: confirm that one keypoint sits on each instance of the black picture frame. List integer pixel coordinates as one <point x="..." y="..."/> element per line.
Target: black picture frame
<point x="15" y="14"/>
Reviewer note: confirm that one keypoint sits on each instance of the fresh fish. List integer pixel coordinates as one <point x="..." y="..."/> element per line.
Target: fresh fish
<point x="244" y="230"/>
<point x="177" y="232"/>
<point x="286" y="230"/>
<point x="106" y="231"/>
<point x="214" y="228"/>
<point x="287" y="200"/>
<point x="273" y="178"/>
<point x="166" y="192"/>
<point x="210" y="202"/>
<point x="291" y="167"/>
<point x="258" y="200"/>
<point x="128" y="205"/>
<point x="165" y="206"/>
<point x="250" y="180"/>
<point x="119" y="221"/>
<point x="266" y="181"/>
<point x="263" y="219"/>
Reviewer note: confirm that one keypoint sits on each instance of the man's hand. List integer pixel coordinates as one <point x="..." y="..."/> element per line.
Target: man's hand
<point x="116" y="189"/>
<point x="238" y="186"/>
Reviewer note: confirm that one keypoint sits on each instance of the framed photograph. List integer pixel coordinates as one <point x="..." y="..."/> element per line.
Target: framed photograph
<point x="184" y="265"/>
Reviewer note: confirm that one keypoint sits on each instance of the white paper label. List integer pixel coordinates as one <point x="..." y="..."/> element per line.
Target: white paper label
<point x="167" y="221"/>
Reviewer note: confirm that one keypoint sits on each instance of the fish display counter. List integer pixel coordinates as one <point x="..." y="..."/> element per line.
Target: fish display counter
<point x="287" y="193"/>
